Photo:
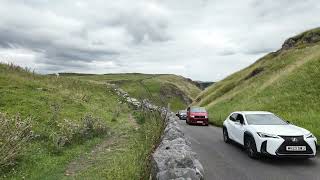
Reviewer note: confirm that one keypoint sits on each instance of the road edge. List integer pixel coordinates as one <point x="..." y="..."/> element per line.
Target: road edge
<point x="174" y="157"/>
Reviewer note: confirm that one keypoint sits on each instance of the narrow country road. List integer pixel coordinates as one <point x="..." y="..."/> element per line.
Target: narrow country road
<point x="230" y="162"/>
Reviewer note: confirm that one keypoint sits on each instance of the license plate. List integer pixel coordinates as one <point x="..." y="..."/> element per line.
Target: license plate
<point x="296" y="148"/>
<point x="199" y="121"/>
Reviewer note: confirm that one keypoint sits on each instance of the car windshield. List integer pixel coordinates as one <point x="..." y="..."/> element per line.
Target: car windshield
<point x="198" y="109"/>
<point x="264" y="119"/>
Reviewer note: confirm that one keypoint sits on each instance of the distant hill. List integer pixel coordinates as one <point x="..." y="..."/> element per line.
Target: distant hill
<point x="159" y="88"/>
<point x="286" y="82"/>
<point x="203" y="84"/>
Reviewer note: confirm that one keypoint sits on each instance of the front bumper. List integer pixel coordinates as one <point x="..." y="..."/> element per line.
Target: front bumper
<point x="199" y="121"/>
<point x="277" y="147"/>
<point x="183" y="117"/>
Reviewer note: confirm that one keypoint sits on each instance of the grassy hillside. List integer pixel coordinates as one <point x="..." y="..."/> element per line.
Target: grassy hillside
<point x="286" y="82"/>
<point x="66" y="128"/>
<point x="161" y="89"/>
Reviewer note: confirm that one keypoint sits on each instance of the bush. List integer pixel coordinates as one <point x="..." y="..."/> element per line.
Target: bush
<point x="14" y="135"/>
<point x="66" y="133"/>
<point x="69" y="132"/>
<point x="140" y="117"/>
<point x="92" y="126"/>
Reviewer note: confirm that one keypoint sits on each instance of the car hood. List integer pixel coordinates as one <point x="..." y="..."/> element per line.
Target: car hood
<point x="199" y="114"/>
<point x="284" y="130"/>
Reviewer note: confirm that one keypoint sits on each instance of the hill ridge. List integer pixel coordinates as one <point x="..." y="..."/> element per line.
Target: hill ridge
<point x="285" y="82"/>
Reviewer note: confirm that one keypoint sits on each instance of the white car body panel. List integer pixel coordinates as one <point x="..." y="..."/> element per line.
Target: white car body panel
<point x="236" y="133"/>
<point x="286" y="130"/>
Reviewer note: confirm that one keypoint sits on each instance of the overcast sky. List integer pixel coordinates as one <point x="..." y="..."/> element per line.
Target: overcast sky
<point x="200" y="39"/>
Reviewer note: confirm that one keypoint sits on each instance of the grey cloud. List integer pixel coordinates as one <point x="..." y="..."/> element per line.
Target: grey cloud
<point x="226" y="52"/>
<point x="150" y="31"/>
<point x="167" y="36"/>
<point x="258" y="51"/>
<point x="71" y="42"/>
<point x="143" y="25"/>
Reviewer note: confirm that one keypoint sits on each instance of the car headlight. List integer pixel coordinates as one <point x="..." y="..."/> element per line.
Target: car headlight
<point x="310" y="135"/>
<point x="206" y="117"/>
<point x="266" y="135"/>
<point x="192" y="116"/>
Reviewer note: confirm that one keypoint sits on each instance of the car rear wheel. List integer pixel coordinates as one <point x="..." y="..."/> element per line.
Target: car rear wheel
<point x="251" y="148"/>
<point x="226" y="138"/>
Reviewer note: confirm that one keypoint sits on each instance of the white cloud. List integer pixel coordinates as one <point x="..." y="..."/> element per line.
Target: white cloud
<point x="204" y="40"/>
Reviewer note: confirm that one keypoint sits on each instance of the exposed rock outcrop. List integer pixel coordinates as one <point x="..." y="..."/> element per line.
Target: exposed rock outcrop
<point x="169" y="90"/>
<point x="309" y="37"/>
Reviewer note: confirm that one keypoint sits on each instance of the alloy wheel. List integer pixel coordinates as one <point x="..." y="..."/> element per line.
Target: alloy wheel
<point x="225" y="136"/>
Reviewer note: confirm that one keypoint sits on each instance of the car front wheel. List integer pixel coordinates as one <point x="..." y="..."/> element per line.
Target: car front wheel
<point x="251" y="148"/>
<point x="225" y="135"/>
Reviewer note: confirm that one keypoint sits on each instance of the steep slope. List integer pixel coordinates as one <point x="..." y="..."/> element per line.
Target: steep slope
<point x="159" y="88"/>
<point x="286" y="82"/>
<point x="203" y="84"/>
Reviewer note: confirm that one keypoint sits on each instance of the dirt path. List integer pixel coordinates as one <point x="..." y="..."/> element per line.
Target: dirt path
<point x="290" y="68"/>
<point x="92" y="158"/>
<point x="89" y="159"/>
<point x="133" y="122"/>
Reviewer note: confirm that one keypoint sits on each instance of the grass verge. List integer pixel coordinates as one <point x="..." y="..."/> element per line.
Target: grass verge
<point x="69" y="117"/>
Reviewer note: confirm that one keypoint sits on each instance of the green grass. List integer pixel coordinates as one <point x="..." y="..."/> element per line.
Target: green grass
<point x="163" y="88"/>
<point x="288" y="85"/>
<point x="130" y="160"/>
<point x="49" y="100"/>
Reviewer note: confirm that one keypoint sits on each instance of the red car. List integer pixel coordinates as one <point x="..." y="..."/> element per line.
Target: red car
<point x="197" y="115"/>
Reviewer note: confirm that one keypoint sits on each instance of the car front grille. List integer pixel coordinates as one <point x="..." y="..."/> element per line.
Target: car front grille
<point x="202" y="117"/>
<point x="293" y="141"/>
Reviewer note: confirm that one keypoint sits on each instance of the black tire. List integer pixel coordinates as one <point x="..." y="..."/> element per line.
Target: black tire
<point x="226" y="138"/>
<point x="251" y="148"/>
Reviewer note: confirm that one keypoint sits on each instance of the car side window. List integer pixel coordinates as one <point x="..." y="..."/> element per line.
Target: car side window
<point x="240" y="118"/>
<point x="233" y="117"/>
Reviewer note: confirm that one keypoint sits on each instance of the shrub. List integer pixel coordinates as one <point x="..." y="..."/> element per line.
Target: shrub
<point x="69" y="132"/>
<point x="140" y="117"/>
<point x="14" y="135"/>
<point x="92" y="126"/>
<point x="58" y="141"/>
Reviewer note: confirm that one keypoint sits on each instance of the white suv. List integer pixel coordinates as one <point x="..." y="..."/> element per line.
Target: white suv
<point x="265" y="133"/>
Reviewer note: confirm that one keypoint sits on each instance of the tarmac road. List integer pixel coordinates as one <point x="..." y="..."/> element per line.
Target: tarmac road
<point x="223" y="161"/>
